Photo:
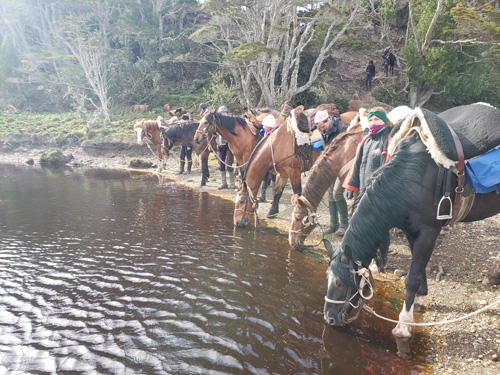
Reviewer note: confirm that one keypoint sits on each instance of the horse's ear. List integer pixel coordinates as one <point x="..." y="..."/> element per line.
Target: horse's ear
<point x="329" y="247"/>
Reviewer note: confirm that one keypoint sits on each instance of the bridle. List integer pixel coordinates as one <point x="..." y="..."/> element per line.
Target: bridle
<point x="255" y="205"/>
<point x="363" y="274"/>
<point x="309" y="218"/>
<point x="206" y="132"/>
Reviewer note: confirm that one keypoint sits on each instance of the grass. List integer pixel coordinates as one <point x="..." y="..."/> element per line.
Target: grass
<point x="72" y="125"/>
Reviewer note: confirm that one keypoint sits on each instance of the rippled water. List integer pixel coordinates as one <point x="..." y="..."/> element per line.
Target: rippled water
<point x="106" y="272"/>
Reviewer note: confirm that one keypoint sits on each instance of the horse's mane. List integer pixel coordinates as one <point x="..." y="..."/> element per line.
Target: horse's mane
<point x="258" y="147"/>
<point x="181" y="130"/>
<point x="147" y="125"/>
<point x="228" y="122"/>
<point x="389" y="195"/>
<point x="318" y="182"/>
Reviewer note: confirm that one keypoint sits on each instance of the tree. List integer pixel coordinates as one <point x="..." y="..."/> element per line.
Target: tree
<point x="439" y="60"/>
<point x="262" y="43"/>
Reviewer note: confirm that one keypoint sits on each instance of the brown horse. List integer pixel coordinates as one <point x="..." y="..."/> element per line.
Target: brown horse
<point x="277" y="152"/>
<point x="150" y="130"/>
<point x="347" y="117"/>
<point x="241" y="134"/>
<point x="334" y="162"/>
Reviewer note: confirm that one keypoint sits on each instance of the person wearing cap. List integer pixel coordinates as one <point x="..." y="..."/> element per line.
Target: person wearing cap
<point x="186" y="153"/>
<point x="226" y="157"/>
<point x="330" y="127"/>
<point x="204" y="109"/>
<point x="268" y="124"/>
<point x="370" y="155"/>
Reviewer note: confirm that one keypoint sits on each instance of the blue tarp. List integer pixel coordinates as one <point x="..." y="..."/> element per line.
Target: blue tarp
<point x="483" y="172"/>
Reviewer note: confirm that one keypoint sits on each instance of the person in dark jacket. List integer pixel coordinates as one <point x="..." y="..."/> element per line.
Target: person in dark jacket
<point x="186" y="153"/>
<point x="330" y="127"/>
<point x="370" y="73"/>
<point x="370" y="155"/>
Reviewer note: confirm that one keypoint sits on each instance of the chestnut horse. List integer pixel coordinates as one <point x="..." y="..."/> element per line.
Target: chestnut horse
<point x="241" y="134"/>
<point x="334" y="162"/>
<point x="277" y="152"/>
<point x="150" y="129"/>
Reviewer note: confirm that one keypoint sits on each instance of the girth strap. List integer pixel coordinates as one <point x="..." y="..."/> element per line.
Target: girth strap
<point x="460" y="168"/>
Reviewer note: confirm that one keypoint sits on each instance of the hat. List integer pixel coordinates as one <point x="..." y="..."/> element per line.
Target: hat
<point x="320" y="116"/>
<point x="203" y="106"/>
<point x="269" y="121"/>
<point x="184" y="117"/>
<point x="222" y="108"/>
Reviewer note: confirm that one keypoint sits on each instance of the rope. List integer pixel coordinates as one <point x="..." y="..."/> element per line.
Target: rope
<point x="487" y="307"/>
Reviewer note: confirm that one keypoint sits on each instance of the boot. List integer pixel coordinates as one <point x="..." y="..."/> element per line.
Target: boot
<point x="263" y="188"/>
<point x="190" y="164"/>
<point x="181" y="167"/>
<point x="232" y="185"/>
<point x="344" y="217"/>
<point x="334" y="218"/>
<point x="223" y="181"/>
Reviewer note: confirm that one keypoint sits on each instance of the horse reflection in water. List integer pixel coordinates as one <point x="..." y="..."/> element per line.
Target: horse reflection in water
<point x="401" y="194"/>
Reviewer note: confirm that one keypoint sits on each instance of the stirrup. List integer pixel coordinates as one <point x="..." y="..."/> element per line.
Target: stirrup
<point x="444" y="216"/>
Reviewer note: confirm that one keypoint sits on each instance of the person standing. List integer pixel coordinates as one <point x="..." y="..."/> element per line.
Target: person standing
<point x="226" y="157"/>
<point x="370" y="155"/>
<point x="370" y="73"/>
<point x="186" y="153"/>
<point x="330" y="127"/>
<point x="204" y="109"/>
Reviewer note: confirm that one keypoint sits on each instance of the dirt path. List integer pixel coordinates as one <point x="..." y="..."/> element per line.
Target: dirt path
<point x="455" y="271"/>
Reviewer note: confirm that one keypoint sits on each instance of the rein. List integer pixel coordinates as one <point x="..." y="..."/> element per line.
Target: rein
<point x="205" y="135"/>
<point x="364" y="275"/>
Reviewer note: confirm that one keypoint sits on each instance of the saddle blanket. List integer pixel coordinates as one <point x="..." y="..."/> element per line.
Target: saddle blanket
<point x="483" y="172"/>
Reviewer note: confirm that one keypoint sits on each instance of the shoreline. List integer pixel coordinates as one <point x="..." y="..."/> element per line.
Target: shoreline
<point x="455" y="271"/>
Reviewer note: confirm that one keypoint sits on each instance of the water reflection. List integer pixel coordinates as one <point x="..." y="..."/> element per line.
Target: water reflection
<point x="112" y="272"/>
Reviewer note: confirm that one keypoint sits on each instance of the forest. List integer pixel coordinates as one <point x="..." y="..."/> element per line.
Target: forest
<point x="103" y="55"/>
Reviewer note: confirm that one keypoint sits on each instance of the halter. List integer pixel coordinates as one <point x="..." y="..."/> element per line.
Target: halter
<point x="364" y="280"/>
<point x="307" y="220"/>
<point x="255" y="205"/>
<point x="205" y="131"/>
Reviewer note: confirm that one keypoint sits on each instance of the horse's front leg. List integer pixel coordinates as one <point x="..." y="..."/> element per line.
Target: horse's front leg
<point x="277" y="193"/>
<point x="416" y="281"/>
<point x="161" y="160"/>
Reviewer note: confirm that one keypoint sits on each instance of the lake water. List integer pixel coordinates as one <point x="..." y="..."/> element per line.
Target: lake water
<point x="111" y="272"/>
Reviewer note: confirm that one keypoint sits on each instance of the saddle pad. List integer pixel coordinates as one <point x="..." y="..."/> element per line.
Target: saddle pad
<point x="483" y="172"/>
<point x="476" y="125"/>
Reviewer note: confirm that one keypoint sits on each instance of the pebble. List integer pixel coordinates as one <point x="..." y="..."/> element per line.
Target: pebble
<point x="399" y="273"/>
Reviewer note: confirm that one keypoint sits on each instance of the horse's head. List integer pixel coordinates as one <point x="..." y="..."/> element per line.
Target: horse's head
<point x="348" y="281"/>
<point x="206" y="128"/>
<point x="303" y="221"/>
<point x="244" y="206"/>
<point x="139" y="131"/>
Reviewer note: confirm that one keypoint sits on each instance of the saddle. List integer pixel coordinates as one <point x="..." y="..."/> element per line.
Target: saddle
<point x="304" y="133"/>
<point x="457" y="134"/>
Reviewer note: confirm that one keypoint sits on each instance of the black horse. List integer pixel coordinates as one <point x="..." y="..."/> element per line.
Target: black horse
<point x="184" y="132"/>
<point x="402" y="194"/>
